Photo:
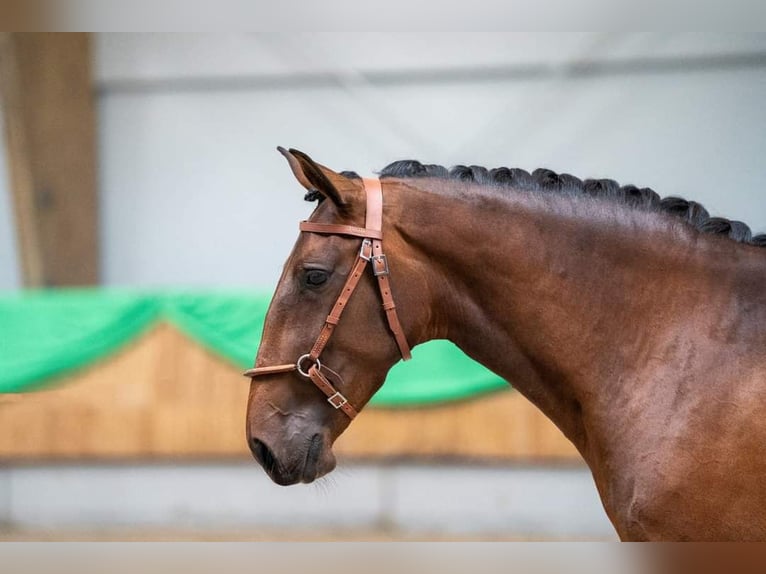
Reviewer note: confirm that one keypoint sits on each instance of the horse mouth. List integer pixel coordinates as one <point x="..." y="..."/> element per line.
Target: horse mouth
<point x="311" y="464"/>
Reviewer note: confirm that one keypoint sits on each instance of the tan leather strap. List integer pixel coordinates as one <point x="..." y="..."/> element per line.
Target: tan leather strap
<point x="322" y="377"/>
<point x="337" y="229"/>
<point x="322" y="380"/>
<point x="340" y="304"/>
<point x="380" y="269"/>
<point x="257" y="371"/>
<point x="373" y="216"/>
<point x="374" y="220"/>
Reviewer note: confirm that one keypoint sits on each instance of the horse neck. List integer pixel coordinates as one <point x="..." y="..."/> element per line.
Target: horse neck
<point x="560" y="296"/>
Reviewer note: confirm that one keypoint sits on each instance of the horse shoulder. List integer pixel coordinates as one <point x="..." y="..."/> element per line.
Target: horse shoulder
<point x="701" y="475"/>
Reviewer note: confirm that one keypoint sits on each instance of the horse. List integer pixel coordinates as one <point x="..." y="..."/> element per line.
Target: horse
<point x="636" y="324"/>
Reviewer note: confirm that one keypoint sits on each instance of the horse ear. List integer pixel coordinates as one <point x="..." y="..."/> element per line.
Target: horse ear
<point x="316" y="177"/>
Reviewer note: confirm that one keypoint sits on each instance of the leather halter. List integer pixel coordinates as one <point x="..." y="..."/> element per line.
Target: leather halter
<point x="371" y="251"/>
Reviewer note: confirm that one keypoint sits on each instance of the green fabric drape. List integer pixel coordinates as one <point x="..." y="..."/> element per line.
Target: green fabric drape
<point x="47" y="334"/>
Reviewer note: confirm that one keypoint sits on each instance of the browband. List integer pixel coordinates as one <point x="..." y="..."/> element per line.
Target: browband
<point x="334" y="229"/>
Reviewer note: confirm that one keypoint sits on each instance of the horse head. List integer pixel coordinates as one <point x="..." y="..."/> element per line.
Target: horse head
<point x="328" y="342"/>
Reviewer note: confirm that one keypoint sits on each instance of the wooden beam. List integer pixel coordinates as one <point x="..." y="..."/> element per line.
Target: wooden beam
<point x="19" y="165"/>
<point x="50" y="129"/>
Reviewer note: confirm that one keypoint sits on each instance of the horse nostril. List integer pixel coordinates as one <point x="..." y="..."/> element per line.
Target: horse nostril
<point x="263" y="454"/>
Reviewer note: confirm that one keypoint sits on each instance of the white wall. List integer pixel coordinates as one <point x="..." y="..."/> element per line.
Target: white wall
<point x="397" y="501"/>
<point x="193" y="192"/>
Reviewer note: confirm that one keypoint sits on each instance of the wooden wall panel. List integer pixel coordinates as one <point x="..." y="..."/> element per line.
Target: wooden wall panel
<point x="167" y="397"/>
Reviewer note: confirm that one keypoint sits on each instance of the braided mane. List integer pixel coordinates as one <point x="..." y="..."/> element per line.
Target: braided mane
<point x="547" y="180"/>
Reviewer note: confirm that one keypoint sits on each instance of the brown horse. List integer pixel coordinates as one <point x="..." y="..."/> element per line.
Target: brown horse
<point x="632" y="322"/>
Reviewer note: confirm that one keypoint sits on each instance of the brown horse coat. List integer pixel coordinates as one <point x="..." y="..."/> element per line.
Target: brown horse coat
<point x="641" y="338"/>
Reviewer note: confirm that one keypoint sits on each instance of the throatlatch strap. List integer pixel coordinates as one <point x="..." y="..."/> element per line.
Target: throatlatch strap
<point x="374" y="220"/>
<point x="380" y="269"/>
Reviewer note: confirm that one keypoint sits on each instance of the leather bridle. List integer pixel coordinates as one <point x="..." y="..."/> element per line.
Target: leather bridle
<point x="371" y="250"/>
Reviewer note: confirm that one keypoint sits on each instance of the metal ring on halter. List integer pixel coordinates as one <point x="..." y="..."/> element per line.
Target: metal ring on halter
<point x="303" y="358"/>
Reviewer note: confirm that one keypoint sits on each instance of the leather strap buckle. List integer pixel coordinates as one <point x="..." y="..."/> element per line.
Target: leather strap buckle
<point x="379" y="259"/>
<point x="365" y="252"/>
<point x="337" y="400"/>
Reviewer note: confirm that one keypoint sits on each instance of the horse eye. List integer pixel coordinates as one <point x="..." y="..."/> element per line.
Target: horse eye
<point x="315" y="277"/>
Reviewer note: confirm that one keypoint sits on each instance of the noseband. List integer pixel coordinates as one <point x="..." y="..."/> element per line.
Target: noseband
<point x="371" y="251"/>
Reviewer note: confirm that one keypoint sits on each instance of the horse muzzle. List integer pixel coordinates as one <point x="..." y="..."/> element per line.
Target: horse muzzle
<point x="302" y="461"/>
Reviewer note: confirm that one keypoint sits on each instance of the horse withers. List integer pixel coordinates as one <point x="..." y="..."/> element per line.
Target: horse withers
<point x="636" y="324"/>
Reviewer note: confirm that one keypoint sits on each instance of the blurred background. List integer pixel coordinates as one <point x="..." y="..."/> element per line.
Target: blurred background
<point x="142" y="167"/>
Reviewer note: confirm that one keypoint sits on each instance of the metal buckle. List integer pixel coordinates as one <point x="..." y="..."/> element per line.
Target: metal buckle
<point x="374" y="260"/>
<point x="366" y="243"/>
<point x="337" y="395"/>
<point x="299" y="362"/>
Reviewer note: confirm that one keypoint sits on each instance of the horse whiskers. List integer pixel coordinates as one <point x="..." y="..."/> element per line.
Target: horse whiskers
<point x="325" y="484"/>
